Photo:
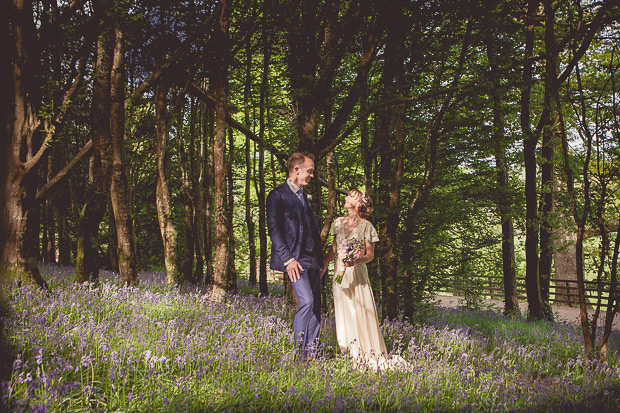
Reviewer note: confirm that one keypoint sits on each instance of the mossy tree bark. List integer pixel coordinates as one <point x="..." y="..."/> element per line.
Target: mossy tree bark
<point x="163" y="194"/>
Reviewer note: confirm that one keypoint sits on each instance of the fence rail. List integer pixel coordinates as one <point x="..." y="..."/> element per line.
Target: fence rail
<point x="562" y="291"/>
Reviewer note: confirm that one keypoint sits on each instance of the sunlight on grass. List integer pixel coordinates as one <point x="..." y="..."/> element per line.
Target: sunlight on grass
<point x="160" y="348"/>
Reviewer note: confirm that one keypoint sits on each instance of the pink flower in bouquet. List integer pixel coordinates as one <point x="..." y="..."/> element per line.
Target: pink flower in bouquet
<point x="350" y="250"/>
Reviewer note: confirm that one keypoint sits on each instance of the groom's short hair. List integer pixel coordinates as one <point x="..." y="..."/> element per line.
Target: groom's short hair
<point x="298" y="159"/>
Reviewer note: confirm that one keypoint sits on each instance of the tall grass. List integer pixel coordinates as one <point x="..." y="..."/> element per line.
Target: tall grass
<point x="157" y="348"/>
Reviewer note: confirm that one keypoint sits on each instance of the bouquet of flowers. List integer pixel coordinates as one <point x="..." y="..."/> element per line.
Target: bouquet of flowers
<point x="350" y="250"/>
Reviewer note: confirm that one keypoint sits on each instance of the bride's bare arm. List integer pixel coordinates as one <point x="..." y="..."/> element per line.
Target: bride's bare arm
<point x="330" y="256"/>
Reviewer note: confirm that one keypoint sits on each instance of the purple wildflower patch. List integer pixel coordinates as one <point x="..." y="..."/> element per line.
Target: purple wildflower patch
<point x="157" y="347"/>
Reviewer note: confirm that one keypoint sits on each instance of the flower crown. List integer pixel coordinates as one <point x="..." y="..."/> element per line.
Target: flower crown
<point x="363" y="197"/>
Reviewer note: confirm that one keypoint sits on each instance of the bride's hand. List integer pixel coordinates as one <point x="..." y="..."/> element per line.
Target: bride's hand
<point x="349" y="263"/>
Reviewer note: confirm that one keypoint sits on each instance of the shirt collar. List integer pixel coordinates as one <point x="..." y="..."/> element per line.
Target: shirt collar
<point x="293" y="187"/>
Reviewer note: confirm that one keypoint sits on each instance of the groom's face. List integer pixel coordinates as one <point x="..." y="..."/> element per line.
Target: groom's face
<point x="304" y="173"/>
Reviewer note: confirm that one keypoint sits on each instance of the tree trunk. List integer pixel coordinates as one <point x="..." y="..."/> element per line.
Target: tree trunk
<point x="547" y="159"/>
<point x="580" y="221"/>
<point x="189" y="250"/>
<point x="164" y="207"/>
<point x="366" y="147"/>
<point x="262" y="187"/>
<point x="232" y="270"/>
<point x="64" y="241"/>
<point x="49" y="239"/>
<point x="220" y="85"/>
<point x="20" y="184"/>
<point x="511" y="301"/>
<point x="249" y="220"/>
<point x="391" y="166"/>
<point x="87" y="248"/>
<point x="612" y="301"/>
<point x="331" y="197"/>
<point x="199" y="176"/>
<point x="119" y="193"/>
<point x="532" y="282"/>
<point x="25" y="151"/>
<point x="186" y="164"/>
<point x="208" y="196"/>
<point x="112" y="254"/>
<point x="564" y="258"/>
<point x="50" y="222"/>
<point x="581" y="290"/>
<point x="91" y="214"/>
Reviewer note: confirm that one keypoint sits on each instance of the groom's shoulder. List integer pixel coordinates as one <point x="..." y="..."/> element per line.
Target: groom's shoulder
<point x="280" y="188"/>
<point x="277" y="191"/>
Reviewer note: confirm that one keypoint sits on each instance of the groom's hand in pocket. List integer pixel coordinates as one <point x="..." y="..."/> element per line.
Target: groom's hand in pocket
<point x="292" y="269"/>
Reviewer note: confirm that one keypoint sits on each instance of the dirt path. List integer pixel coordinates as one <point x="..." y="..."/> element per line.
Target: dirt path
<point x="563" y="312"/>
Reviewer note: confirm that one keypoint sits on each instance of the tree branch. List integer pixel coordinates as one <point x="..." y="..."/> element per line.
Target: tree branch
<point x="62" y="174"/>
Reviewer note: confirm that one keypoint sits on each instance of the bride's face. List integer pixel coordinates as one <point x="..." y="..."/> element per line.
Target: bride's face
<point x="351" y="200"/>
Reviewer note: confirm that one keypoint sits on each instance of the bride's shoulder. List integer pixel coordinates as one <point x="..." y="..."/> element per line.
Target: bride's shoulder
<point x="368" y="224"/>
<point x="337" y="222"/>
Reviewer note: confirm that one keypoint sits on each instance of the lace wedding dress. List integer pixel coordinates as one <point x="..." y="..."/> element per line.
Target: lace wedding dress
<point x="357" y="325"/>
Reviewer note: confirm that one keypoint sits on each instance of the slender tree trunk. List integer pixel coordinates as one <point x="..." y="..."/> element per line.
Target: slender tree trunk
<point x="64" y="241"/>
<point x="395" y="197"/>
<point x="43" y="255"/>
<point x="112" y="254"/>
<point x="331" y="197"/>
<point x="189" y="250"/>
<point x="581" y="290"/>
<point x="48" y="252"/>
<point x="119" y="193"/>
<point x="511" y="301"/>
<point x="532" y="282"/>
<point x="249" y="220"/>
<point x="199" y="213"/>
<point x="262" y="188"/>
<point x="164" y="207"/>
<point x="391" y="167"/>
<point x="329" y="218"/>
<point x="208" y="197"/>
<point x="187" y="156"/>
<point x="547" y="159"/>
<point x="91" y="214"/>
<point x="613" y="299"/>
<point x="232" y="270"/>
<point x="220" y="85"/>
<point x="580" y="221"/>
<point x="50" y="223"/>
<point x="366" y="145"/>
<point x="604" y="250"/>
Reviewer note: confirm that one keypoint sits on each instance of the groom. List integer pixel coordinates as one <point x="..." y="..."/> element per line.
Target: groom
<point x="296" y="248"/>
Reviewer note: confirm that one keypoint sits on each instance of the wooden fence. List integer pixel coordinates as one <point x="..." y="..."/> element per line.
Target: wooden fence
<point x="562" y="291"/>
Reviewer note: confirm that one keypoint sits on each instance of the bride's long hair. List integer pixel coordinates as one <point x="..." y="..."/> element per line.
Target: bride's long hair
<point x="364" y="207"/>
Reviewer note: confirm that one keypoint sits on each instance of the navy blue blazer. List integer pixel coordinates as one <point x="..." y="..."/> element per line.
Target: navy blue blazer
<point x="284" y="222"/>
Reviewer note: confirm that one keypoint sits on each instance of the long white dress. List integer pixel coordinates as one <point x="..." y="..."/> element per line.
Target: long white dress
<point x="357" y="325"/>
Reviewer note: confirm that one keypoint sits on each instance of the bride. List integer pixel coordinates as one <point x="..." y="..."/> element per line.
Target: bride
<point x="357" y="325"/>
